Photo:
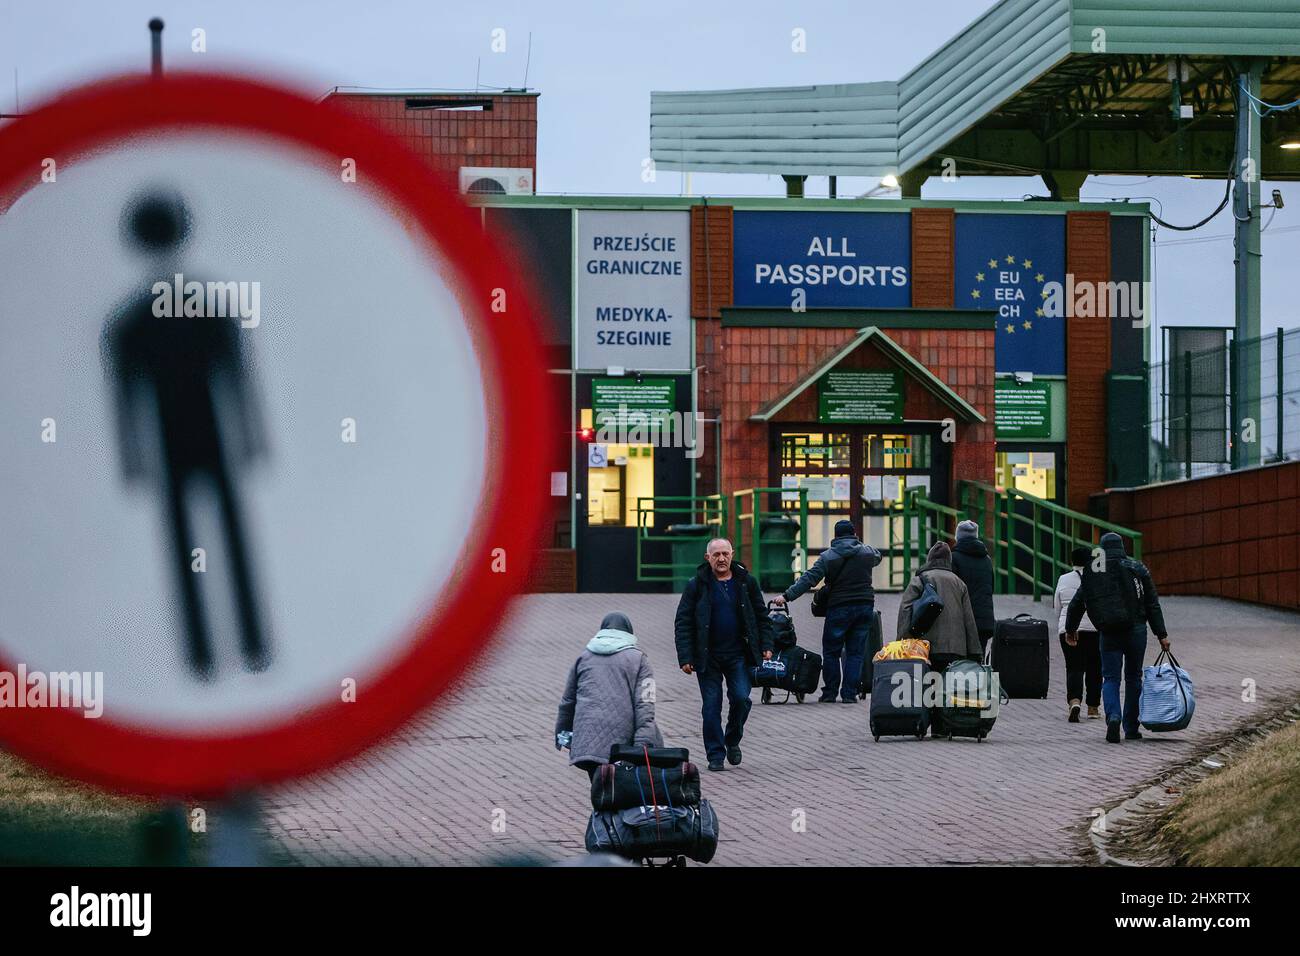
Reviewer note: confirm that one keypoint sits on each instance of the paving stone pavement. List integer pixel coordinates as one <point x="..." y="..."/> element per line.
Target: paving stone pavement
<point x="477" y="779"/>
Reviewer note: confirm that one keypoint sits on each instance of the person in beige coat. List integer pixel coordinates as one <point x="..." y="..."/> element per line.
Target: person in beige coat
<point x="954" y="635"/>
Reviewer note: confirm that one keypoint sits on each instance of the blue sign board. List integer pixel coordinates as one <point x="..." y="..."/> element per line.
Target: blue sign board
<point x="1004" y="262"/>
<point x="838" y="259"/>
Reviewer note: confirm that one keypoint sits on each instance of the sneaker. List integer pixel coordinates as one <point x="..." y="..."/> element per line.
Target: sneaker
<point x="1112" y="732"/>
<point x="1094" y="713"/>
<point x="849" y="700"/>
<point x="716" y="765"/>
<point x="1133" y="735"/>
<point x="733" y="756"/>
<point x="826" y="699"/>
<point x="1074" y="711"/>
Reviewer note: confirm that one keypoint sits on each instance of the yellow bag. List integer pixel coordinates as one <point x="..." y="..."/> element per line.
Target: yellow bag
<point x="908" y="649"/>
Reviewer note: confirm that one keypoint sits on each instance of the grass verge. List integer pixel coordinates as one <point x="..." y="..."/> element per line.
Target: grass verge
<point x="1247" y="814"/>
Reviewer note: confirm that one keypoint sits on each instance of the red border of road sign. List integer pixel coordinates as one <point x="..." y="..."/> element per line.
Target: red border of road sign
<point x="509" y="514"/>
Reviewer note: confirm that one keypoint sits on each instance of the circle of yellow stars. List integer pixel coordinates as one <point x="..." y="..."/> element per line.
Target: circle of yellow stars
<point x="1038" y="277"/>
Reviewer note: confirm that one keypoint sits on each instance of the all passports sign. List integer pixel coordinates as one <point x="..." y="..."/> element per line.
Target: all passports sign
<point x="823" y="260"/>
<point x="633" y="290"/>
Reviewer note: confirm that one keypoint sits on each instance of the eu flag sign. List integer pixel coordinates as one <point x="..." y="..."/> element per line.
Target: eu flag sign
<point x="1004" y="262"/>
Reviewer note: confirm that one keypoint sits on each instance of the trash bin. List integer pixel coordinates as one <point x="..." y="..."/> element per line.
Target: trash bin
<point x="686" y="550"/>
<point x="777" y="536"/>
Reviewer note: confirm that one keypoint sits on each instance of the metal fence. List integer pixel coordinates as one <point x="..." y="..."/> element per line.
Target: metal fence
<point x="1203" y="416"/>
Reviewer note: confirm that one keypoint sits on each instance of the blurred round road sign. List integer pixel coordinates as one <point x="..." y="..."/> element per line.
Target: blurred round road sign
<point x="271" y="453"/>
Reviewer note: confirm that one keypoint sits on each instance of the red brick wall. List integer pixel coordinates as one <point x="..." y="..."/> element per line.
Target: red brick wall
<point x="1087" y="358"/>
<point x="763" y="363"/>
<point x="933" y="232"/>
<point x="711" y="246"/>
<point x="1232" y="536"/>
<point x="505" y="135"/>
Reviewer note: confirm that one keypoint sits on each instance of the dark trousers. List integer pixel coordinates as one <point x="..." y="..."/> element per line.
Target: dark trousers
<point x="590" y="766"/>
<point x="845" y="635"/>
<point x="736" y="673"/>
<point x="1083" y="661"/>
<point x="1122" y="652"/>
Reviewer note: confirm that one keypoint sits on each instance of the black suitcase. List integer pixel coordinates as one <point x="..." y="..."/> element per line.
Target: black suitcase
<point x="621" y="786"/>
<point x="643" y="833"/>
<point x="887" y="718"/>
<point x="1020" y="653"/>
<point x="875" y="641"/>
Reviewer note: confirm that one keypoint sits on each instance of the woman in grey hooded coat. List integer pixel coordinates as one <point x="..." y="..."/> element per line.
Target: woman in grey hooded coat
<point x="609" y="698"/>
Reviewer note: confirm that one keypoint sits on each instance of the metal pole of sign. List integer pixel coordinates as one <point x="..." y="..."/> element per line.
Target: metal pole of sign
<point x="235" y="839"/>
<point x="156" y="29"/>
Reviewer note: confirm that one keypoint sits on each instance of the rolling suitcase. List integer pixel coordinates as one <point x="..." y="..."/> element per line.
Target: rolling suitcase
<point x="971" y="700"/>
<point x="1019" y="652"/>
<point x="908" y="715"/>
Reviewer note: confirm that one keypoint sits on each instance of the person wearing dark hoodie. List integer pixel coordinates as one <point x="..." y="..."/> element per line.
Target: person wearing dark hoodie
<point x="847" y="567"/>
<point x="609" y="698"/>
<point x="1120" y="599"/>
<point x="953" y="636"/>
<point x="971" y="561"/>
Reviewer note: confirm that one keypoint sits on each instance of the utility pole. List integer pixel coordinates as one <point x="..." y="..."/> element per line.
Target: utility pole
<point x="1245" y="209"/>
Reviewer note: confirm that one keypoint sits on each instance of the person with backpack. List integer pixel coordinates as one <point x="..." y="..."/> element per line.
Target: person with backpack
<point x="971" y="561"/>
<point x="1120" y="598"/>
<point x="846" y="566"/>
<point x="609" y="698"/>
<point x="1083" y="654"/>
<point x="722" y="631"/>
<point x="953" y="636"/>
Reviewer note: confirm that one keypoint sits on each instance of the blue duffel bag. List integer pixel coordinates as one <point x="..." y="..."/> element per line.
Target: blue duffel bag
<point x="1168" y="700"/>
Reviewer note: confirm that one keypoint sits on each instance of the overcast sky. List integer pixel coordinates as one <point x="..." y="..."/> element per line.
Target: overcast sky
<point x="595" y="64"/>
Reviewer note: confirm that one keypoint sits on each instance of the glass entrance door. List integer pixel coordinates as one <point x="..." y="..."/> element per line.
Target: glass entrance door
<point x="859" y="472"/>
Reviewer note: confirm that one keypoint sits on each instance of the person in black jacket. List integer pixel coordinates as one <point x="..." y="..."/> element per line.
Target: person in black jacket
<point x="721" y="631"/>
<point x="851" y="607"/>
<point x="971" y="562"/>
<point x="1120" y="598"/>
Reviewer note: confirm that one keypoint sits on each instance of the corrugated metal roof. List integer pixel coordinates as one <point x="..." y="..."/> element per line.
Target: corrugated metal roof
<point x="878" y="128"/>
<point x="844" y="129"/>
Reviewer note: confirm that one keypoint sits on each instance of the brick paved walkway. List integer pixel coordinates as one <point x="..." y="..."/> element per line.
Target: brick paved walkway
<point x="478" y="779"/>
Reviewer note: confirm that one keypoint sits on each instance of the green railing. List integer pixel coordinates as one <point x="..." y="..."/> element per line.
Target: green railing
<point x="1052" y="531"/>
<point x="925" y="521"/>
<point x="749" y="550"/>
<point x="1032" y="538"/>
<point x="709" y="511"/>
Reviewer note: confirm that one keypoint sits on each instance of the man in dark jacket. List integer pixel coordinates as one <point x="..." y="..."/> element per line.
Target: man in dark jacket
<point x="1120" y="598"/>
<point x="971" y="562"/>
<point x="722" y="631"/>
<point x="850" y="610"/>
